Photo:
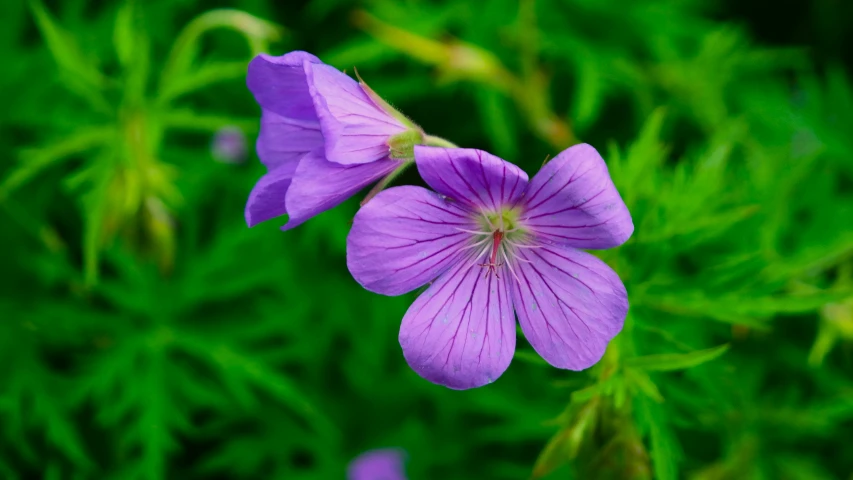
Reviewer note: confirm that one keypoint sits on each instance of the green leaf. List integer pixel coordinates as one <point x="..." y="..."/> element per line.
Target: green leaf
<point x="95" y="208"/>
<point x="827" y="338"/>
<point x="201" y="77"/>
<point x="60" y="429"/>
<point x="664" y="451"/>
<point x="676" y="361"/>
<point x="124" y="33"/>
<point x="34" y="161"/>
<point x="590" y="90"/>
<point x="81" y="73"/>
<point x="746" y="308"/>
<point x="359" y="53"/>
<point x="565" y="444"/>
<point x="241" y="373"/>
<point x="132" y="48"/>
<point x="33" y="399"/>
<point x="639" y="379"/>
<point x="602" y="387"/>
<point x="811" y="258"/>
<point x="258" y="33"/>
<point x="186" y="119"/>
<point x="64" y="48"/>
<point x="497" y="116"/>
<point x="704" y="225"/>
<point x="7" y="470"/>
<point x="634" y="174"/>
<point x="800" y="467"/>
<point x="146" y="409"/>
<point x="318" y="10"/>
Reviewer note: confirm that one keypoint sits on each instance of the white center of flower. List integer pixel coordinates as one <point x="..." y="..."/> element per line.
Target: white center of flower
<point x="498" y="241"/>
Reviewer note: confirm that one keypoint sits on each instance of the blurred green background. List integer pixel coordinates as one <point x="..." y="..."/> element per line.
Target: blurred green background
<point x="146" y="333"/>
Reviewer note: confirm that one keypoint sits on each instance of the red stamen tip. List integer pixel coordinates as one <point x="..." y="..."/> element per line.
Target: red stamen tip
<point x="493" y="263"/>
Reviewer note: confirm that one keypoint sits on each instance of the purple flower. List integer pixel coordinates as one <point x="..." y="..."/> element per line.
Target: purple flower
<point x="495" y="243"/>
<point x="323" y="137"/>
<point x="229" y="145"/>
<point x="386" y="464"/>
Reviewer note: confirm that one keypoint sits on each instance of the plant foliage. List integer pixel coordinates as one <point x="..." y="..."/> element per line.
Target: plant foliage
<point x="146" y="333"/>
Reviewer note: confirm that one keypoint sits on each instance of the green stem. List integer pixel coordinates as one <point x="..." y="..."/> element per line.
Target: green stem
<point x="530" y="90"/>
<point x="438" y="142"/>
<point x="182" y="55"/>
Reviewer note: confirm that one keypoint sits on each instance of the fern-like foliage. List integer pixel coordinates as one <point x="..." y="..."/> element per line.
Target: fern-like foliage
<point x="146" y="333"/>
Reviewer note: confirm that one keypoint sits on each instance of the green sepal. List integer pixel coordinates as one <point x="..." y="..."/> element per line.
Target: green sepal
<point x="402" y="145"/>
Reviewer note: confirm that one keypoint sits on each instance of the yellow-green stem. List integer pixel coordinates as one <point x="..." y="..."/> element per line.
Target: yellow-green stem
<point x="433" y="141"/>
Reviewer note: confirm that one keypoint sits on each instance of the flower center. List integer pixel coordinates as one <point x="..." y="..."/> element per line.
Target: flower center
<point x="505" y="220"/>
<point x="500" y="236"/>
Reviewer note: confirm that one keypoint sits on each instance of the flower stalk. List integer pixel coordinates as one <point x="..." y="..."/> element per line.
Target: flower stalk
<point x="433" y="141"/>
<point x="460" y="60"/>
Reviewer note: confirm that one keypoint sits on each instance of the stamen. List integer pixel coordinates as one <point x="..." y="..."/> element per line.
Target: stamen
<point x="477" y="257"/>
<point x="485" y="240"/>
<point x="492" y="266"/>
<point x="473" y="231"/>
<point x="509" y="266"/>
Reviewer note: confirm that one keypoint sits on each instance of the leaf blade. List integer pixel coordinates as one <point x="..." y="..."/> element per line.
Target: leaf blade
<point x="676" y="361"/>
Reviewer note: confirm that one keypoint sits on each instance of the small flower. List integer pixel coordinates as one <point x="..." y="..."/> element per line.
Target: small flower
<point x="229" y="145"/>
<point x="385" y="464"/>
<point x="495" y="243"/>
<point x="323" y="137"/>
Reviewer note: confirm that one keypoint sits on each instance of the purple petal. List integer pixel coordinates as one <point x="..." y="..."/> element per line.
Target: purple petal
<point x="475" y="178"/>
<point x="385" y="464"/>
<point x="460" y="332"/>
<point x="572" y="201"/>
<point x="405" y="237"/>
<point x="267" y="199"/>
<point x="355" y="129"/>
<point x="285" y="140"/>
<point x="319" y="185"/>
<point x="280" y="84"/>
<point x="569" y="303"/>
<point x="289" y="124"/>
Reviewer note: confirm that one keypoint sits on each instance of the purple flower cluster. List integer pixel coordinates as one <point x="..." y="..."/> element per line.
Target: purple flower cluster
<point x="491" y="244"/>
